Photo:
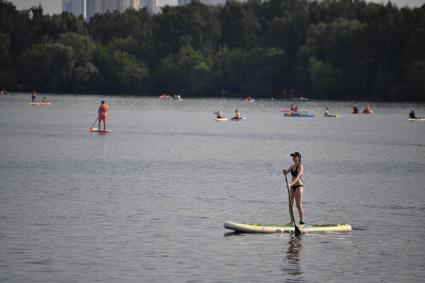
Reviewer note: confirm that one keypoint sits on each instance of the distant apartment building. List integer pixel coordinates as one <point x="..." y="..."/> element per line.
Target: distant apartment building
<point x="154" y="6"/>
<point x="76" y="7"/>
<point x="94" y="7"/>
<point x="88" y="8"/>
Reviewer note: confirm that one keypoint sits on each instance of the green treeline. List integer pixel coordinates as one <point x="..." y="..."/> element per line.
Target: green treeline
<point x="346" y="49"/>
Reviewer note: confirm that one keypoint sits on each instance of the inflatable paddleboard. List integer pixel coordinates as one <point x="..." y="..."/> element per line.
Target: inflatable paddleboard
<point x="298" y="115"/>
<point x="416" y="119"/>
<point x="270" y="229"/>
<point x="299" y="110"/>
<point x="95" y="130"/>
<point x="37" y="103"/>
<point x="221" y="119"/>
<point x="236" y="119"/>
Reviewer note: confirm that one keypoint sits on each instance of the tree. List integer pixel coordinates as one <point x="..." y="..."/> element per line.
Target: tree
<point x="48" y="67"/>
<point x="120" y="72"/>
<point x="326" y="79"/>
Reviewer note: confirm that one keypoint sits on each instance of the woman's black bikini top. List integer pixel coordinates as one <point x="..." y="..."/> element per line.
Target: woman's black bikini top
<point x="294" y="172"/>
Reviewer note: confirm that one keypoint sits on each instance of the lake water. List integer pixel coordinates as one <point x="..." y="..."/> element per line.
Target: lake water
<point x="147" y="202"/>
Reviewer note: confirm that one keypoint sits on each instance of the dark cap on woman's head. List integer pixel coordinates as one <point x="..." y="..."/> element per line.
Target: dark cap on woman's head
<point x="297" y="154"/>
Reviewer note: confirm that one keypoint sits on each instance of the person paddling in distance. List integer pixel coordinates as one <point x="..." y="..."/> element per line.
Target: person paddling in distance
<point x="327" y="112"/>
<point x="220" y="114"/>
<point x="102" y="113"/>
<point x="237" y="115"/>
<point x="296" y="186"/>
<point x="33" y="96"/>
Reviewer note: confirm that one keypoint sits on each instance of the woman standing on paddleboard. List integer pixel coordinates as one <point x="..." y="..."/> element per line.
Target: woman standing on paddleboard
<point x="103" y="109"/>
<point x="296" y="186"/>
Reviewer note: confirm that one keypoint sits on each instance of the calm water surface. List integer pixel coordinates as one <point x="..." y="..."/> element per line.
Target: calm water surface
<point x="147" y="202"/>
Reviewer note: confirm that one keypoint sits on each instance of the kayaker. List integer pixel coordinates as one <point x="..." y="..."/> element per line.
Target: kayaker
<point x="102" y="113"/>
<point x="412" y="115"/>
<point x="296" y="186"/>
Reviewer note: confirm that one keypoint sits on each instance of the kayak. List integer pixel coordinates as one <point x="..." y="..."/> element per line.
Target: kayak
<point x="37" y="103"/>
<point x="238" y="119"/>
<point x="96" y="130"/>
<point x="298" y="114"/>
<point x="269" y="229"/>
<point x="221" y="119"/>
<point x="416" y="119"/>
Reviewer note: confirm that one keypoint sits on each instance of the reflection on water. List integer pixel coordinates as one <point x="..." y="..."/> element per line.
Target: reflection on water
<point x="292" y="264"/>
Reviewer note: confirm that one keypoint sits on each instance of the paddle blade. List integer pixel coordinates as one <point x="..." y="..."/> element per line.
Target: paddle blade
<point x="297" y="231"/>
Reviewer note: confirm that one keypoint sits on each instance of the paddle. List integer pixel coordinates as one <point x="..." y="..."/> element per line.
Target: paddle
<point x="92" y="125"/>
<point x="297" y="230"/>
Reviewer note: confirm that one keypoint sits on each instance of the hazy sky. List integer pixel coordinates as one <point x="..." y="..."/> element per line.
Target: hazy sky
<point x="55" y="6"/>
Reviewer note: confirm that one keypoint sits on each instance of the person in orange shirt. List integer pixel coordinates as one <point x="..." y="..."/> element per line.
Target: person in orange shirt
<point x="103" y="109"/>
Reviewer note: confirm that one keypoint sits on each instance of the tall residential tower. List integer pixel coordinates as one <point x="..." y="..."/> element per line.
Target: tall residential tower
<point x="76" y="7"/>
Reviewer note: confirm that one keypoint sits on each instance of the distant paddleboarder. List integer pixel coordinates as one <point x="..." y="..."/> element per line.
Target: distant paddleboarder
<point x="412" y="115"/>
<point x="102" y="113"/>
<point x="220" y="114"/>
<point x="33" y="96"/>
<point x="296" y="186"/>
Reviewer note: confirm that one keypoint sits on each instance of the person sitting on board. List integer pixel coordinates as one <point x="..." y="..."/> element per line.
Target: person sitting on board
<point x="355" y="109"/>
<point x="412" y="115"/>
<point x="102" y="113"/>
<point x="33" y="96"/>
<point x="293" y="108"/>
<point x="237" y="115"/>
<point x="327" y="112"/>
<point x="296" y="186"/>
<point x="367" y="109"/>
<point x="220" y="114"/>
<point x="44" y="100"/>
